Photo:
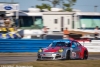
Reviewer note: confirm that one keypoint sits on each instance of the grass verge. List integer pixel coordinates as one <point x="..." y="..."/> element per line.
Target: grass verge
<point x="67" y="63"/>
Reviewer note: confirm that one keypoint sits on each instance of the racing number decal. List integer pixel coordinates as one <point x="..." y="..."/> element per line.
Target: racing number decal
<point x="73" y="54"/>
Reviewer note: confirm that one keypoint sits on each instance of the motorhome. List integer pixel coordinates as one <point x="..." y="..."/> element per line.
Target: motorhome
<point x="56" y="21"/>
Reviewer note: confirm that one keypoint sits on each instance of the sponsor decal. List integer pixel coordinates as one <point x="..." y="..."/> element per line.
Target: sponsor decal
<point x="74" y="54"/>
<point x="8" y="8"/>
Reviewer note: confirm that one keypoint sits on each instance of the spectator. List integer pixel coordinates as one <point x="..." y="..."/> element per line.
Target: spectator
<point x="2" y="17"/>
<point x="8" y="22"/>
<point x="45" y="30"/>
<point x="96" y="31"/>
<point x="66" y="33"/>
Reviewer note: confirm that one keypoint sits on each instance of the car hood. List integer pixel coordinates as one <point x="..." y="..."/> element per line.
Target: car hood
<point x="52" y="49"/>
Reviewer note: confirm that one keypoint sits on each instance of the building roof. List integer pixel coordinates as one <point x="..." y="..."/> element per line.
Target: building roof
<point x="88" y="13"/>
<point x="9" y="2"/>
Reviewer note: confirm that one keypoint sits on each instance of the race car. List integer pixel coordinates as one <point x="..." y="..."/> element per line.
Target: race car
<point x="63" y="50"/>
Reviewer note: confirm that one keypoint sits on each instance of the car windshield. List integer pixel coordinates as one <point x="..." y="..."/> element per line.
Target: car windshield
<point x="59" y="44"/>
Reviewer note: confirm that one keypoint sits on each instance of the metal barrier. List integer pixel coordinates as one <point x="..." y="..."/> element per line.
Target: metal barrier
<point x="31" y="45"/>
<point x="22" y="45"/>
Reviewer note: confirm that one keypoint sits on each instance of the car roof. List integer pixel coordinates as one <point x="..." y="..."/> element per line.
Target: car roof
<point x="65" y="40"/>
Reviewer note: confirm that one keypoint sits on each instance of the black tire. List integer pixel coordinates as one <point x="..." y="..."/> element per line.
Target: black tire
<point x="85" y="55"/>
<point x="38" y="59"/>
<point x="68" y="55"/>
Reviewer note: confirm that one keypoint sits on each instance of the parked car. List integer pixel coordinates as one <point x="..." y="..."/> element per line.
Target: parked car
<point x="63" y="49"/>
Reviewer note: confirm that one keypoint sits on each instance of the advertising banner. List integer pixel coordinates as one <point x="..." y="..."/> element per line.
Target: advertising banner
<point x="9" y="7"/>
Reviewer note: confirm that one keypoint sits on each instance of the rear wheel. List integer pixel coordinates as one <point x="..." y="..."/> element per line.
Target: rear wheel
<point x="85" y="55"/>
<point x="68" y="55"/>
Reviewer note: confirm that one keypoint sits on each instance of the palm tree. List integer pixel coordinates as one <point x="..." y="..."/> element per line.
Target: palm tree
<point x="69" y="4"/>
<point x="65" y="4"/>
<point x="53" y="2"/>
<point x="43" y="6"/>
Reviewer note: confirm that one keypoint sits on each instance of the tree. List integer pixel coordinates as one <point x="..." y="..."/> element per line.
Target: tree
<point x="43" y="6"/>
<point x="65" y="4"/>
<point x="53" y="2"/>
<point x="68" y="6"/>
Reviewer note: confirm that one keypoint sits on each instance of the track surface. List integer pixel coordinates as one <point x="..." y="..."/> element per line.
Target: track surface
<point x="18" y="59"/>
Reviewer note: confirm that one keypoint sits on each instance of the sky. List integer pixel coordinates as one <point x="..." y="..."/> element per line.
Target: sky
<point x="83" y="5"/>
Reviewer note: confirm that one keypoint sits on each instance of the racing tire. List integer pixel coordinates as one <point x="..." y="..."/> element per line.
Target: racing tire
<point x="85" y="57"/>
<point x="68" y="55"/>
<point x="38" y="60"/>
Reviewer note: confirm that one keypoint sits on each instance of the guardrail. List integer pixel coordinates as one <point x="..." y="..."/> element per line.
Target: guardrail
<point x="22" y="45"/>
<point x="31" y="45"/>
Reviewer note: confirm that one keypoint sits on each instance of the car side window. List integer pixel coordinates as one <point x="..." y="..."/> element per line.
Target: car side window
<point x="68" y="44"/>
<point x="74" y="44"/>
<point x="78" y="44"/>
<point x="61" y="44"/>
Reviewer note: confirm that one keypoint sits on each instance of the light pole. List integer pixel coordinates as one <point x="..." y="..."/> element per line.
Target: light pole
<point x="73" y="18"/>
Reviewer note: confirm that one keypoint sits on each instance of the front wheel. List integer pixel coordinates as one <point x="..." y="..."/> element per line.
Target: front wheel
<point x="68" y="55"/>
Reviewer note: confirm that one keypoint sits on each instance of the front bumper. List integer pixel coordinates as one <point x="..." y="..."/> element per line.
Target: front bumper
<point x="50" y="56"/>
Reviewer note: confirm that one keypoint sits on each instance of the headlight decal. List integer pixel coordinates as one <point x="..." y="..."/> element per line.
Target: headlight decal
<point x="40" y="50"/>
<point x="60" y="50"/>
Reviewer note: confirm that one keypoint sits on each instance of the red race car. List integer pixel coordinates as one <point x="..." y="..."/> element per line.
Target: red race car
<point x="63" y="49"/>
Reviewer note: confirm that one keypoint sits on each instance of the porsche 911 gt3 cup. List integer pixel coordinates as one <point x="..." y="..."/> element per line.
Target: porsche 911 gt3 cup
<point x="63" y="49"/>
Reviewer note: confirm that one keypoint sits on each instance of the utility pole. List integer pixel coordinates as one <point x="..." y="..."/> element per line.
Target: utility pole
<point x="95" y="8"/>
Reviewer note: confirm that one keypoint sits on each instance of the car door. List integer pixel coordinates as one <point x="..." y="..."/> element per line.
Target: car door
<point x="75" y="50"/>
<point x="80" y="47"/>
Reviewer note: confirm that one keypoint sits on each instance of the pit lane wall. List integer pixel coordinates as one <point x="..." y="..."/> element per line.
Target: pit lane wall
<point x="31" y="45"/>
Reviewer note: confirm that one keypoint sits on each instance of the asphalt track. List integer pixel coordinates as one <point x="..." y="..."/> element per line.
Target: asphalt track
<point x="30" y="58"/>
